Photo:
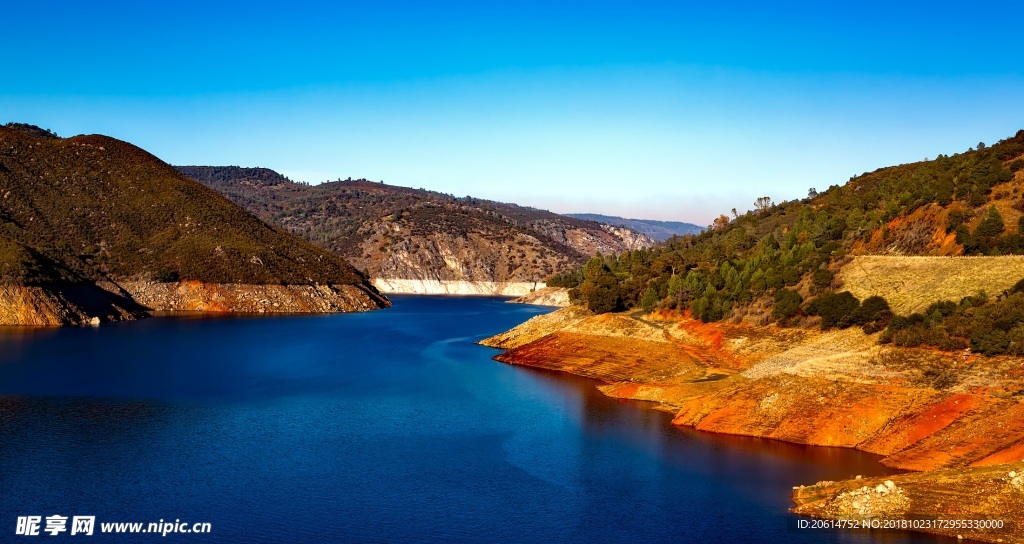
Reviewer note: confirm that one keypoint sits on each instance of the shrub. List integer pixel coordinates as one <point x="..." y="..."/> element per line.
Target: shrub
<point x="822" y="278"/>
<point x="955" y="218"/>
<point x="941" y="309"/>
<point x="921" y="334"/>
<point x="837" y="310"/>
<point x="914" y="335"/>
<point x="900" y="322"/>
<point x="1016" y="336"/>
<point x="787" y="304"/>
<point x="951" y="343"/>
<point x="874" y="314"/>
<point x="990" y="342"/>
<point x="974" y="301"/>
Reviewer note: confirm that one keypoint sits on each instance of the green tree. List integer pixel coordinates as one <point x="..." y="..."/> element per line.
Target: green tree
<point x="594" y="268"/>
<point x="988" y="232"/>
<point x="992" y="225"/>
<point x="649" y="299"/>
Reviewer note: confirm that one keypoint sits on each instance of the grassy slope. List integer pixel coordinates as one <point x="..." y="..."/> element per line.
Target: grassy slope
<point x="910" y="284"/>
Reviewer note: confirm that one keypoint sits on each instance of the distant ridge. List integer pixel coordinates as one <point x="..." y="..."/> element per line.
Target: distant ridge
<point x="659" y="230"/>
<point x="400" y="235"/>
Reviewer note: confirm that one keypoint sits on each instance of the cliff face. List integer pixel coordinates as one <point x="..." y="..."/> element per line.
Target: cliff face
<point x="921" y="410"/>
<point x="631" y="239"/>
<point x="397" y="234"/>
<point x="85" y="220"/>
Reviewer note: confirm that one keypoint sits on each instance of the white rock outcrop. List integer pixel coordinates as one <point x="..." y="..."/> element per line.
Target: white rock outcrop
<point x="454" y="287"/>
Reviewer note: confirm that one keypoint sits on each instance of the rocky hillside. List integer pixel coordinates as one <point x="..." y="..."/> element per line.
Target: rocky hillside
<point x="397" y="233"/>
<point x="91" y="227"/>
<point x="657" y="230"/>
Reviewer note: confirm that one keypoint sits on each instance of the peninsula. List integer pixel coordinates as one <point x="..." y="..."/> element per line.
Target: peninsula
<point x="883" y="315"/>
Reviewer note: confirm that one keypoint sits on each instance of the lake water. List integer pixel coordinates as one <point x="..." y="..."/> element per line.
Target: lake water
<point x="389" y="426"/>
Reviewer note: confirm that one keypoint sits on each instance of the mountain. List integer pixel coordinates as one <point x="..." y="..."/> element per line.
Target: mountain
<point x="658" y="230"/>
<point x="414" y="240"/>
<point x="93" y="227"/>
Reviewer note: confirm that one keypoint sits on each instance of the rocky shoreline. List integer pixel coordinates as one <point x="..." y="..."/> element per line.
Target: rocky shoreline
<point x="547" y="296"/>
<point x="72" y="304"/>
<point x="197" y="296"/>
<point x="941" y="414"/>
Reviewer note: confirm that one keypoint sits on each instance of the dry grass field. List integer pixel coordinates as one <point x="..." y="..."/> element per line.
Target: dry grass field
<point x="910" y="284"/>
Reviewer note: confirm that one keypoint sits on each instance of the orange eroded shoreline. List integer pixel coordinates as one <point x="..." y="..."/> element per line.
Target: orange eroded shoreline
<point x="954" y="416"/>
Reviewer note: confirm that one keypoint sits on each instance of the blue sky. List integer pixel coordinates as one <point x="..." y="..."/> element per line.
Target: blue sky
<point x="669" y="110"/>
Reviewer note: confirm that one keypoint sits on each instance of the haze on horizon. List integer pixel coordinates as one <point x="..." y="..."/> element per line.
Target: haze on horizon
<point x="671" y="111"/>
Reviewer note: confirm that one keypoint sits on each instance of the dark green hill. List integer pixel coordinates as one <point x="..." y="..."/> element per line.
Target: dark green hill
<point x="92" y="209"/>
<point x="102" y="207"/>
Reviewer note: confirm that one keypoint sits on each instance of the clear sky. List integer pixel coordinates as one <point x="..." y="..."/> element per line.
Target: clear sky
<point x="673" y="110"/>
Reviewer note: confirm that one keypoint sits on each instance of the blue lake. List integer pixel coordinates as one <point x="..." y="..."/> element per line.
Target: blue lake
<point x="389" y="426"/>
